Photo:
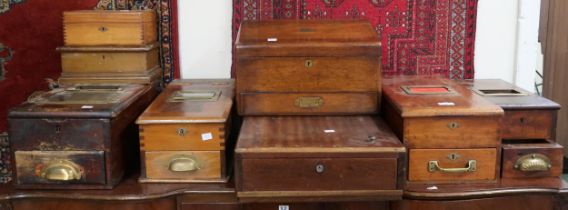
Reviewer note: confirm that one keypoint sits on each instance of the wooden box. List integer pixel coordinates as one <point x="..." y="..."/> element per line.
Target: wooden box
<point x="109" y="60"/>
<point x="78" y="137"/>
<point x="318" y="158"/>
<point x="152" y="77"/>
<point x="307" y="68"/>
<point x="183" y="133"/>
<point x="104" y="27"/>
<point x="532" y="159"/>
<point x="452" y="133"/>
<point x="527" y="116"/>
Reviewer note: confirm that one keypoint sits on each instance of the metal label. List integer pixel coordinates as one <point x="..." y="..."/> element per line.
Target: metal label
<point x="309" y="102"/>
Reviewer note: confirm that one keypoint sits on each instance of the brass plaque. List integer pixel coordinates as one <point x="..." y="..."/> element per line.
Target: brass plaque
<point x="195" y="95"/>
<point x="309" y="102"/>
<point x="427" y="90"/>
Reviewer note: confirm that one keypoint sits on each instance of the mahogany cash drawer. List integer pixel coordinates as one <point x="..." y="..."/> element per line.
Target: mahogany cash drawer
<point x="307" y="68"/>
<point x="318" y="158"/>
<point x="184" y="132"/>
<point x="448" y="129"/>
<point x="78" y="137"/>
<point x="532" y="159"/>
<point x="104" y="27"/>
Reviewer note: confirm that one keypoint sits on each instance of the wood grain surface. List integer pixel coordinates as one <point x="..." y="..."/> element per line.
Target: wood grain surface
<point x="209" y="165"/>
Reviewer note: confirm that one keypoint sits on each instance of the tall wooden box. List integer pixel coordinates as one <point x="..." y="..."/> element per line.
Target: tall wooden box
<point x="78" y="137"/>
<point x="111" y="28"/>
<point x="452" y="133"/>
<point x="183" y="133"/>
<point x="286" y="67"/>
<point x="318" y="158"/>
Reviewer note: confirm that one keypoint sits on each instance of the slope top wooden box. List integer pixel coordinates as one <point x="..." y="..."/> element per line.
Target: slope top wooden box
<point x="78" y="137"/>
<point x="318" y="158"/>
<point x="106" y="27"/>
<point x="307" y="67"/>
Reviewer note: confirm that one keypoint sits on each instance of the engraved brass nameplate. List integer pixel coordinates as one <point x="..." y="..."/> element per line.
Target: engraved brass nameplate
<point x="195" y="95"/>
<point x="309" y="102"/>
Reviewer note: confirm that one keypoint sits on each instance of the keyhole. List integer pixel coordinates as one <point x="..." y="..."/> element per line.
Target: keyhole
<point x="103" y="29"/>
<point x="104" y="57"/>
<point x="320" y="168"/>
<point x="57" y="128"/>
<point x="453" y="125"/>
<point x="181" y="131"/>
<point x="522" y="120"/>
<point x="309" y="63"/>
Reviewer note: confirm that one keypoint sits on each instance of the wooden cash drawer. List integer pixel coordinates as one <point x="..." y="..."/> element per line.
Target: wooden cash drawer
<point x="531" y="159"/>
<point x="529" y="124"/>
<point x="305" y="103"/>
<point x="55" y="169"/>
<point x="104" y="27"/>
<point x="194" y="166"/>
<point x="183" y="137"/>
<point x="452" y="164"/>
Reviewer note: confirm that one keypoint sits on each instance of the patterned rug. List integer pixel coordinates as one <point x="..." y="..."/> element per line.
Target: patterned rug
<point x="5" y="168"/>
<point x="419" y="37"/>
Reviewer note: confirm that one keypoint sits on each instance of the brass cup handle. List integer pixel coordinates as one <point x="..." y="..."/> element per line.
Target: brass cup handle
<point x="471" y="166"/>
<point x="533" y="162"/>
<point x="62" y="170"/>
<point x="183" y="164"/>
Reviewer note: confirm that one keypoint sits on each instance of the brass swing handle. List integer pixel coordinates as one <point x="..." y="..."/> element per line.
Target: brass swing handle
<point x="471" y="166"/>
<point x="183" y="164"/>
<point x="62" y="170"/>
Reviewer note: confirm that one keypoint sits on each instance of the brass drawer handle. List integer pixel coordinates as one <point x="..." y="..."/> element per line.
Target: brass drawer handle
<point x="62" y="170"/>
<point x="533" y="162"/>
<point x="433" y="166"/>
<point x="183" y="164"/>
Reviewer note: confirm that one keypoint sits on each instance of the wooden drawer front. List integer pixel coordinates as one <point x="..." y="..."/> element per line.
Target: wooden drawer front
<point x="60" y="167"/>
<point x="518" y="202"/>
<point x="183" y="137"/>
<point x="191" y="165"/>
<point x="304" y="74"/>
<point x="420" y="163"/>
<point x="59" y="134"/>
<point x="315" y="174"/>
<point x="318" y="206"/>
<point x="95" y="28"/>
<point x="308" y="104"/>
<point x="451" y="132"/>
<point x="528" y="124"/>
<point x="532" y="160"/>
<point x="105" y="62"/>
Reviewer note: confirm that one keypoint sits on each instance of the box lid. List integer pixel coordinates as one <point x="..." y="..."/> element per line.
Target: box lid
<point x="509" y="96"/>
<point x="80" y="101"/>
<point x="331" y="134"/>
<point x="307" y="38"/>
<point x="108" y="16"/>
<point x="191" y="101"/>
<point x="429" y="97"/>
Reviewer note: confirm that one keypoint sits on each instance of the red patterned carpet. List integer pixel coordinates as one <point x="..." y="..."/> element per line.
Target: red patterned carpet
<point x="420" y="37"/>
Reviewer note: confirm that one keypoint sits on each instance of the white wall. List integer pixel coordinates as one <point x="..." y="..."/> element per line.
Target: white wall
<point x="205" y="38"/>
<point x="506" y="40"/>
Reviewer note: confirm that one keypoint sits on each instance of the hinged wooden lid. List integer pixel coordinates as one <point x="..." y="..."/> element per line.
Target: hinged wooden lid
<point x="191" y="101"/>
<point x="428" y="97"/>
<point x="108" y="16"/>
<point x="80" y="101"/>
<point x="307" y="38"/>
<point x="337" y="134"/>
<point x="509" y="96"/>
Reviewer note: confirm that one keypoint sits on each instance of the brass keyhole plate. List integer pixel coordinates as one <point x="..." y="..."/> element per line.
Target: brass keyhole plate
<point x="103" y="29"/>
<point x="309" y="63"/>
<point x="453" y="125"/>
<point x="181" y="131"/>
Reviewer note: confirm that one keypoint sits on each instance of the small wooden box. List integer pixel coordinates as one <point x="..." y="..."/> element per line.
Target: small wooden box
<point x="109" y="60"/>
<point x="104" y="27"/>
<point x="532" y="159"/>
<point x="318" y="158"/>
<point x="307" y="68"/>
<point x="152" y="78"/>
<point x="527" y="116"/>
<point x="78" y="137"/>
<point x="184" y="132"/>
<point x="452" y="133"/>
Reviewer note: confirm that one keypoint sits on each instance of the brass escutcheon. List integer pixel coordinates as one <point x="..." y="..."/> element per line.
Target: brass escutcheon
<point x="309" y="63"/>
<point x="309" y="102"/>
<point x="103" y="29"/>
<point x="453" y="125"/>
<point x="181" y="131"/>
<point x="320" y="168"/>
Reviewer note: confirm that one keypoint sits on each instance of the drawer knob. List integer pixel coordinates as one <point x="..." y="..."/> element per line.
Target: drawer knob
<point x="433" y="166"/>
<point x="62" y="170"/>
<point x="183" y="164"/>
<point x="320" y="168"/>
<point x="309" y="63"/>
<point x="533" y="162"/>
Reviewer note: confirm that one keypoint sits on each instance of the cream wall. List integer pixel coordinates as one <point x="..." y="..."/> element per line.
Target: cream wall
<point x="506" y="40"/>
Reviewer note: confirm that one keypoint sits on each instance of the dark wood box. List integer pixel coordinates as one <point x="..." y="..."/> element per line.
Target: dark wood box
<point x="452" y="133"/>
<point x="527" y="116"/>
<point x="78" y="137"/>
<point x="111" y="28"/>
<point x="318" y="158"/>
<point x="532" y="159"/>
<point x="307" y="68"/>
<point x="183" y="133"/>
